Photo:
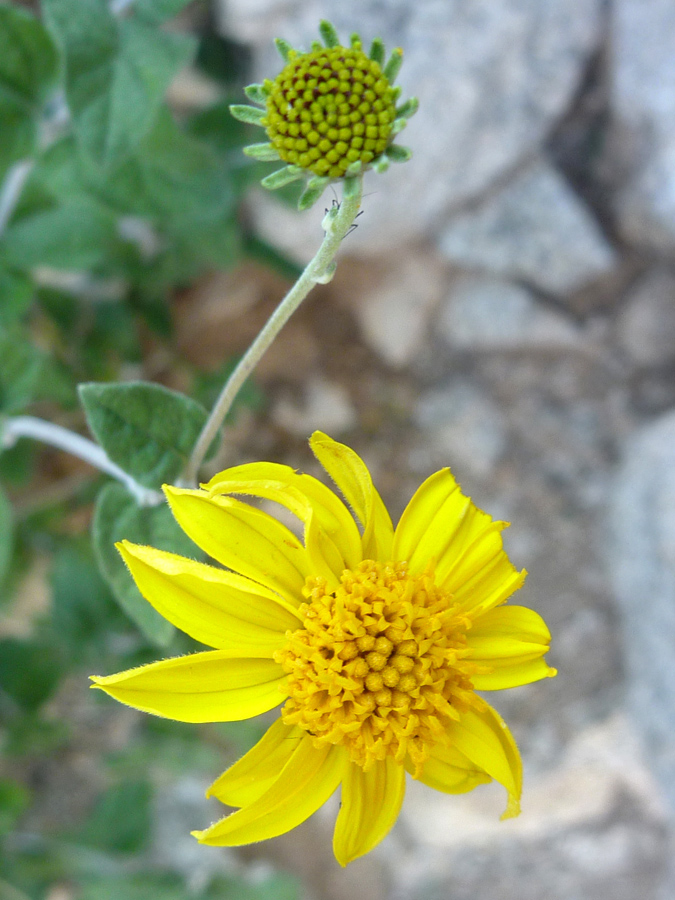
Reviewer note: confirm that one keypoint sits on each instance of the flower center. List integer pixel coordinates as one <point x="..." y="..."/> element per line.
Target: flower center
<point x="328" y="109"/>
<point x="380" y="665"/>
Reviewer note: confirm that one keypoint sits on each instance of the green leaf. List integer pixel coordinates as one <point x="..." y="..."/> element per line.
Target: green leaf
<point x="76" y="235"/>
<point x="6" y="533"/>
<point x="22" y="369"/>
<point x="148" y="430"/>
<point x="154" y="12"/>
<point x="14" y="799"/>
<point x="17" y="140"/>
<point x="29" y="671"/>
<point x="117" y="517"/>
<point x="116" y="74"/>
<point x="16" y="296"/>
<point x="82" y="606"/>
<point x="121" y="819"/>
<point x="28" y="59"/>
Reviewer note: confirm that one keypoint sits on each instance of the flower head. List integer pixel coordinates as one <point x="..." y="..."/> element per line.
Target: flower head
<point x="330" y="113"/>
<point x="373" y="640"/>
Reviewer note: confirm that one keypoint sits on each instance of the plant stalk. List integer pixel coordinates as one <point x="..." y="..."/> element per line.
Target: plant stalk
<point x="337" y="223"/>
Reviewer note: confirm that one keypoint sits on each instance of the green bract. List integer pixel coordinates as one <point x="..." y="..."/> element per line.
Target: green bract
<point x="330" y="113"/>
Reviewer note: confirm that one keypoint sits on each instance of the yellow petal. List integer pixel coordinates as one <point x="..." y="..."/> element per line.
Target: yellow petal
<point x="244" y="539"/>
<point x="304" y="784"/>
<point x="449" y="771"/>
<point x="488" y="587"/>
<point x="442" y="525"/>
<point x="214" y="686"/>
<point x="512" y="640"/>
<point x="252" y="775"/>
<point x="302" y="495"/>
<point x="439" y="497"/>
<point x="352" y="477"/>
<point x="371" y="802"/>
<point x="483" y="737"/>
<point x="513" y="675"/>
<point x="213" y="606"/>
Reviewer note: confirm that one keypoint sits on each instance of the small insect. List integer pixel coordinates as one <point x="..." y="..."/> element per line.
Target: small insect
<point x="335" y="205"/>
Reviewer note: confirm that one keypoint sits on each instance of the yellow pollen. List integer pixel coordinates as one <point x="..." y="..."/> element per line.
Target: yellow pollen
<point x="379" y="665"/>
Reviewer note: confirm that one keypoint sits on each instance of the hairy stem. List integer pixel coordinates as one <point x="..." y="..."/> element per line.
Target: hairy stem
<point x="336" y="223"/>
<point x="56" y="436"/>
<point x="11" y="189"/>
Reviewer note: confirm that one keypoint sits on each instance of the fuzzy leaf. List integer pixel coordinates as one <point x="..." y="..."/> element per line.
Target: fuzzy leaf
<point x="284" y="49"/>
<point x="262" y="152"/>
<point x="249" y="114"/>
<point x="77" y="235"/>
<point x="28" y="59"/>
<point x="256" y="93"/>
<point x="281" y="177"/>
<point x="148" y="430"/>
<point x="154" y="12"/>
<point x="22" y="371"/>
<point x="117" y="517"/>
<point x="408" y="109"/>
<point x="16" y="295"/>
<point x="312" y="193"/>
<point x="6" y="534"/>
<point x="116" y="74"/>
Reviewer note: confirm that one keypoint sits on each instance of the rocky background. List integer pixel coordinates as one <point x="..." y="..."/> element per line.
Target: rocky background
<point x="506" y="307"/>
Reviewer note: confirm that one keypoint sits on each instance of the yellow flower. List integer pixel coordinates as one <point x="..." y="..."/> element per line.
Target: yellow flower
<point x="374" y="641"/>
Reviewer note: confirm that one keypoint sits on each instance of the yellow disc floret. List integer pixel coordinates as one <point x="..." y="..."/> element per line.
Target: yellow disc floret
<point x="328" y="109"/>
<point x="380" y="665"/>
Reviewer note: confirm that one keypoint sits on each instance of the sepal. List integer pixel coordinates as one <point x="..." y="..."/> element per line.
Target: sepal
<point x="282" y="177"/>
<point x="315" y="188"/>
<point x="329" y="34"/>
<point x="257" y="93"/>
<point x="394" y="64"/>
<point x="377" y="52"/>
<point x="265" y="152"/>
<point x="397" y="153"/>
<point x="248" y="114"/>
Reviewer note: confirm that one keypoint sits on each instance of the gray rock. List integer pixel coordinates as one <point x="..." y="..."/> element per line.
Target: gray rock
<point x="326" y="405"/>
<point x="646" y="324"/>
<point x="394" y="312"/>
<point x="643" y="88"/>
<point x="535" y="229"/>
<point x="641" y="562"/>
<point x="464" y="426"/>
<point x="489" y="314"/>
<point x="590" y="827"/>
<point x="492" y="77"/>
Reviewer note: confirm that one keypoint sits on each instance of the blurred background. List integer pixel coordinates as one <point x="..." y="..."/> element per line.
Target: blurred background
<point x="506" y="306"/>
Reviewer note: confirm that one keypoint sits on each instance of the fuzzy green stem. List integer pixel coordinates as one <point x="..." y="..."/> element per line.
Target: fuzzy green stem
<point x="337" y="223"/>
<point x="12" y="429"/>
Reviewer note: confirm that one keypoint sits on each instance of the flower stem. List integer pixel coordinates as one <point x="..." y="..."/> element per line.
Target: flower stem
<point x="12" y="429"/>
<point x="337" y="222"/>
<point x="11" y="189"/>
